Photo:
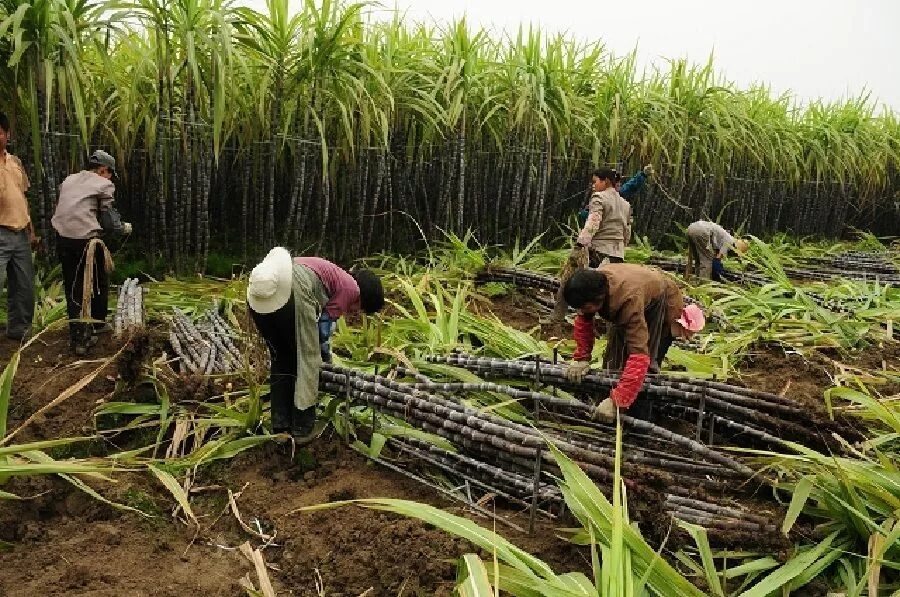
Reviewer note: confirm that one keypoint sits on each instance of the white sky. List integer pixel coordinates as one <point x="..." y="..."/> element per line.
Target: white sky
<point x="814" y="48"/>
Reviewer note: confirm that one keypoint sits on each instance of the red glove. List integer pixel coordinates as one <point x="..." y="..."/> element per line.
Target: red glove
<point x="631" y="380"/>
<point x="584" y="337"/>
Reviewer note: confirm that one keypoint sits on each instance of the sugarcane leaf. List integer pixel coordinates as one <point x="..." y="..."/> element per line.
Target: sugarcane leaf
<point x="175" y="489"/>
<point x="6" y="381"/>
<point x="801" y="493"/>
<point x="710" y="572"/>
<point x="476" y="582"/>
<point x="790" y="570"/>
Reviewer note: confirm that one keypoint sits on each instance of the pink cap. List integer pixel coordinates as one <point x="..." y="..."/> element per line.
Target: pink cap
<point x="692" y="318"/>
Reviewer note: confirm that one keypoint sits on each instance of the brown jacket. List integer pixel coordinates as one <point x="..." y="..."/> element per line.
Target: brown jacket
<point x="631" y="290"/>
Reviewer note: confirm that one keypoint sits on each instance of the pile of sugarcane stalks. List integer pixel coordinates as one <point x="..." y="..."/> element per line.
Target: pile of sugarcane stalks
<point x="129" y="315"/>
<point x="810" y="273"/>
<point x="207" y="348"/>
<point x="512" y="460"/>
<point x="721" y="413"/>
<point x="521" y="278"/>
<point x="857" y="261"/>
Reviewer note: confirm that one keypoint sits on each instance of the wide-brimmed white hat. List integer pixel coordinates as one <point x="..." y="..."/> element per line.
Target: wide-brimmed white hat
<point x="270" y="282"/>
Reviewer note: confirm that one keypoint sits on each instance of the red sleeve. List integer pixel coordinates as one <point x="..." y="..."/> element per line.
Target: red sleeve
<point x="584" y="337"/>
<point x="631" y="381"/>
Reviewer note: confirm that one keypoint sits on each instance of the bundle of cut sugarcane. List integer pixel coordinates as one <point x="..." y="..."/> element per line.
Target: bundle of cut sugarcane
<point x="129" y="308"/>
<point x="496" y="455"/>
<point x="522" y="278"/>
<point x="736" y="411"/>
<point x="206" y="348"/>
<point x="812" y="273"/>
<point x="429" y="405"/>
<point x="858" y="261"/>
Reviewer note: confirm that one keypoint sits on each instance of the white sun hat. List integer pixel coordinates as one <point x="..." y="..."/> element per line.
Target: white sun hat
<point x="271" y="281"/>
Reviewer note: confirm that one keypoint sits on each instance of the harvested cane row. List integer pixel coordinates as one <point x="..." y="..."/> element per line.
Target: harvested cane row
<point x="744" y="413"/>
<point x="207" y="348"/>
<point x="810" y="273"/>
<point x="859" y="261"/>
<point x="129" y="315"/>
<point x="498" y="455"/>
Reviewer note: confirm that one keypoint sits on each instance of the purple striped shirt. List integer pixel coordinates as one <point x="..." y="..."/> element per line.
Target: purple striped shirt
<point x="342" y="289"/>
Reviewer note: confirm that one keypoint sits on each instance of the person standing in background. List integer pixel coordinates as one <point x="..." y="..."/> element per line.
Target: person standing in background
<point x="17" y="239"/>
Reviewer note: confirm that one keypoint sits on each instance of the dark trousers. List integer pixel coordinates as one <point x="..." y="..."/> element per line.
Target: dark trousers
<point x="659" y="342"/>
<point x="277" y="329"/>
<point x="597" y="258"/>
<point x="17" y="272"/>
<point x="73" y="256"/>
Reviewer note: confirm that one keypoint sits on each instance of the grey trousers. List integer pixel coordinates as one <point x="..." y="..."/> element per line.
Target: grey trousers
<point x="17" y="274"/>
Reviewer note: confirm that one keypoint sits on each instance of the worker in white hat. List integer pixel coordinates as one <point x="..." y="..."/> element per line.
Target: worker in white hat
<point x="294" y="303"/>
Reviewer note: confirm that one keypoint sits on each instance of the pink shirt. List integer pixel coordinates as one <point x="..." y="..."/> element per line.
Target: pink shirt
<point x="342" y="289"/>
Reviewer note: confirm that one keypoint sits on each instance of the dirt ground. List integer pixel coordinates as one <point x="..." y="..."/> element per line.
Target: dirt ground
<point x="60" y="541"/>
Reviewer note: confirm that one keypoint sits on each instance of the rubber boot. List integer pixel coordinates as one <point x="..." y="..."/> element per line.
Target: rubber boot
<point x="303" y="422"/>
<point x="280" y="410"/>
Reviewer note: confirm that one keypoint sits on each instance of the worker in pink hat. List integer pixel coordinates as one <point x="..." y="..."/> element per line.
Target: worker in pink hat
<point x="646" y="312"/>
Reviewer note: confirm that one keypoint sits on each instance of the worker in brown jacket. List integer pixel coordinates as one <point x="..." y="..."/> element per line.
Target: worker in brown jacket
<point x="646" y="310"/>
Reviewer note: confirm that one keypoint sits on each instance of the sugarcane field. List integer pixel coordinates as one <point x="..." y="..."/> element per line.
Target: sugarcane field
<point x="327" y="298"/>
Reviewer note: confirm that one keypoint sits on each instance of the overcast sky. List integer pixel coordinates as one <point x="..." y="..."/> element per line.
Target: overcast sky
<point x="815" y="48"/>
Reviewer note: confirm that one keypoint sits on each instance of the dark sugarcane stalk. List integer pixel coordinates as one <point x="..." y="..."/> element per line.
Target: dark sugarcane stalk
<point x="604" y="381"/>
<point x="707" y="520"/>
<point x="459" y="434"/>
<point x="311" y="187"/>
<point x="538" y="218"/>
<point x="472" y="479"/>
<point x="469" y="468"/>
<point x="521" y="231"/>
<point x="491" y="423"/>
<point x="380" y="168"/>
<point x="461" y="186"/>
<point x="289" y="236"/>
<point x="675" y="501"/>
<point x="245" y="215"/>
<point x="326" y="205"/>
<point x="512" y="478"/>
<point x="389" y="203"/>
<point x="362" y="200"/>
<point x="181" y="353"/>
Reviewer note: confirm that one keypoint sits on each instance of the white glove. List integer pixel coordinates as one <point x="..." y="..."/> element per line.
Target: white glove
<point x="576" y="371"/>
<point x="605" y="411"/>
<point x="126" y="227"/>
<point x="648" y="169"/>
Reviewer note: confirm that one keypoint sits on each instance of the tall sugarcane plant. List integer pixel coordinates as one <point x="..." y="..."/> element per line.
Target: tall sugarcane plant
<point x="320" y="128"/>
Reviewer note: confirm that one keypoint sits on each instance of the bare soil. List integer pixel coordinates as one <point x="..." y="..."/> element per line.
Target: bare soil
<point x="60" y="541"/>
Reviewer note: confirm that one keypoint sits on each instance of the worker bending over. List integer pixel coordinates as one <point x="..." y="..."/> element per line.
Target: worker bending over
<point x="646" y="311"/>
<point x="294" y="304"/>
<point x="708" y="243"/>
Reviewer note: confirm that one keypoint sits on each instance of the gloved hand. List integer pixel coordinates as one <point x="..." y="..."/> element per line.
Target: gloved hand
<point x="126" y="227"/>
<point x="648" y="169"/>
<point x="576" y="371"/>
<point x="631" y="380"/>
<point x="605" y="411"/>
